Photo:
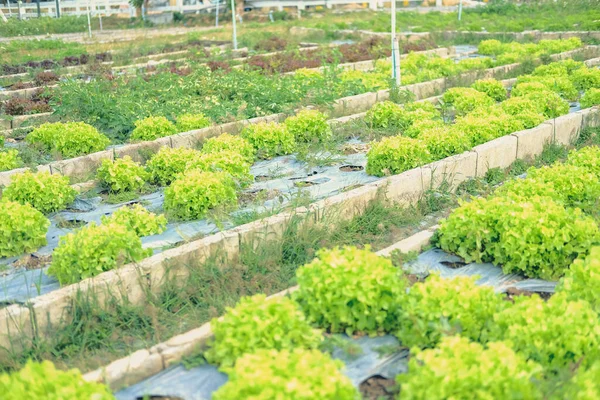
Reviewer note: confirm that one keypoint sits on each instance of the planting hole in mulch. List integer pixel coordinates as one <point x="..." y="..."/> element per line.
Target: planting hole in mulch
<point x="305" y="183"/>
<point x="454" y="265"/>
<point x="512" y="292"/>
<point x="351" y="168"/>
<point x="159" y="398"/>
<point x="261" y="178"/>
<point x="32" y="261"/>
<point x="71" y="223"/>
<point x="377" y="388"/>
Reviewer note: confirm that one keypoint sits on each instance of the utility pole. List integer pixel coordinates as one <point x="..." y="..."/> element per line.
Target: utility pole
<point x="395" y="48"/>
<point x="234" y="26"/>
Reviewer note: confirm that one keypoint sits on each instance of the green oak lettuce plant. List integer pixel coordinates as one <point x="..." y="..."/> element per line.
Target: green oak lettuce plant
<point x="590" y="98"/>
<point x="351" y="290"/>
<point x="189" y="122"/>
<point x="93" y="249"/>
<point x="585" y="384"/>
<point x="386" y="114"/>
<point x="465" y="100"/>
<point x="227" y="142"/>
<point x="122" y="175"/>
<point x="493" y="88"/>
<point x="586" y="78"/>
<point x="396" y="154"/>
<point x="587" y="157"/>
<point x="68" y="139"/>
<point x="22" y="228"/>
<point x="138" y="219"/>
<point x="43" y="381"/>
<point x="297" y="374"/>
<point x="195" y="192"/>
<point x="269" y="139"/>
<point x="258" y="323"/>
<point x="441" y="307"/>
<point x="460" y="369"/>
<point x="445" y="142"/>
<point x="558" y="333"/>
<point x="164" y="166"/>
<point x="537" y="237"/>
<point x="9" y="159"/>
<point x="582" y="279"/>
<point x="152" y="128"/>
<point x="227" y="161"/>
<point x="309" y="126"/>
<point x="43" y="191"/>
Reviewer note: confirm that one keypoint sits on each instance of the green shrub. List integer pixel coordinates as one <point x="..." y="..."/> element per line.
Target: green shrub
<point x="69" y="139"/>
<point x="269" y="139"/>
<point x="122" y="175"/>
<point x="195" y="192"/>
<point x="585" y="385"/>
<point x="152" y="128"/>
<point x="581" y="280"/>
<point x="395" y="154"/>
<point x="492" y="88"/>
<point x="459" y="369"/>
<point x="466" y="100"/>
<point x="22" y="228"/>
<point x="442" y="307"/>
<point x="586" y="78"/>
<point x="258" y="323"/>
<point x="350" y="290"/>
<point x="93" y="249"/>
<point x="189" y="122"/>
<point x="226" y="161"/>
<point x="444" y="142"/>
<point x="281" y="375"/>
<point x="309" y="126"/>
<point x="587" y="157"/>
<point x="386" y="115"/>
<point x="557" y="334"/>
<point x="227" y="142"/>
<point x="42" y="381"/>
<point x="590" y="98"/>
<point x="10" y="159"/>
<point x="44" y="192"/>
<point x="168" y="162"/>
<point x="540" y="239"/>
<point x="138" y="219"/>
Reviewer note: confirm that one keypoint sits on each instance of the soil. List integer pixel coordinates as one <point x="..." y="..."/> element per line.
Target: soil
<point x="511" y="293"/>
<point x="379" y="388"/>
<point x="32" y="261"/>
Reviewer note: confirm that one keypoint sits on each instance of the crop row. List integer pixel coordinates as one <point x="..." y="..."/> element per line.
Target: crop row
<point x="464" y="338"/>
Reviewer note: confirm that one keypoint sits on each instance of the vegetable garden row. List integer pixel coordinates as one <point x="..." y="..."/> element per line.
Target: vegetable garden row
<point x="305" y="153"/>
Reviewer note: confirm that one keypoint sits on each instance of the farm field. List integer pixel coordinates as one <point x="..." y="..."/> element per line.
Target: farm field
<point x="180" y="219"/>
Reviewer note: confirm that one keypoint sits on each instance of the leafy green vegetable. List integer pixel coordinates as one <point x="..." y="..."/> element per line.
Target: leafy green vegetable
<point x="46" y="193"/>
<point x="138" y="219"/>
<point x="460" y="369"/>
<point x="152" y="128"/>
<point x="122" y="175"/>
<point x="285" y="375"/>
<point x="492" y="88"/>
<point x="226" y="161"/>
<point x="587" y="157"/>
<point x="445" y="142"/>
<point x="258" y="323"/>
<point x="93" y="249"/>
<point x="442" y="307"/>
<point x="189" y="122"/>
<point x="585" y="385"/>
<point x="590" y="98"/>
<point x="581" y="280"/>
<point x="269" y="139"/>
<point x="42" y="381"/>
<point x="9" y="159"/>
<point x="466" y="100"/>
<point x="22" y="228"/>
<point x="229" y="142"/>
<point x="168" y="162"/>
<point x="396" y="154"/>
<point x="309" y="126"/>
<point x="69" y="139"/>
<point x="350" y="290"/>
<point x="195" y="192"/>
<point x="557" y="334"/>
